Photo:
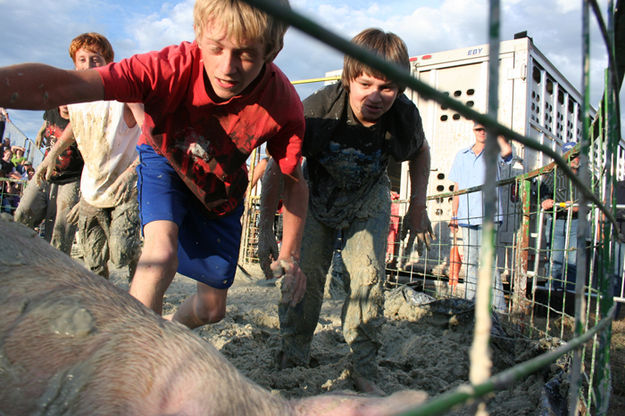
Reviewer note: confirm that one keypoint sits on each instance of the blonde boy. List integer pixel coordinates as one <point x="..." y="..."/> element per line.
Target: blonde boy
<point x="208" y="104"/>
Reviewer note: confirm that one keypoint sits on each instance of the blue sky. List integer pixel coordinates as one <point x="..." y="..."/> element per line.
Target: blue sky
<point x="40" y="31"/>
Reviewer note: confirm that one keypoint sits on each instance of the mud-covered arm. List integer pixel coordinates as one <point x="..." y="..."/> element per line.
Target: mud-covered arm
<point x="39" y="138"/>
<point x="295" y="202"/>
<point x="273" y="187"/>
<point x="259" y="171"/>
<point x="416" y="221"/>
<point x="40" y="87"/>
<point x="46" y="167"/>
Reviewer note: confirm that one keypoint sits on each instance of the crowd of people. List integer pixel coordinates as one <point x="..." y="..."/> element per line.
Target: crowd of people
<point x="15" y="171"/>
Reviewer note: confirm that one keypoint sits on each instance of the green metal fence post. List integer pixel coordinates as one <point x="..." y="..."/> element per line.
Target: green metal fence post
<point x="520" y="303"/>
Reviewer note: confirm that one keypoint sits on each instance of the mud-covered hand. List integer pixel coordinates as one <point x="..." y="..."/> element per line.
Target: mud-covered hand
<point x="267" y="248"/>
<point x="417" y="223"/>
<point x="45" y="170"/>
<point x="124" y="186"/>
<point x="72" y="215"/>
<point x="291" y="281"/>
<point x="39" y="140"/>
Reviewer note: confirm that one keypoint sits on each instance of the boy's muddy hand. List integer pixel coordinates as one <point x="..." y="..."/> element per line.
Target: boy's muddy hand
<point x="416" y="225"/>
<point x="267" y="249"/>
<point x="125" y="186"/>
<point x="291" y="280"/>
<point x="44" y="171"/>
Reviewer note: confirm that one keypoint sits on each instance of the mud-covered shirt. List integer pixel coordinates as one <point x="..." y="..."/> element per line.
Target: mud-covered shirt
<point x="346" y="162"/>
<point x="69" y="164"/>
<point x="205" y="140"/>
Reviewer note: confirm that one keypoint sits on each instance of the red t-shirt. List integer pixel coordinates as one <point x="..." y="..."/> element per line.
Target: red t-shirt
<point x="208" y="142"/>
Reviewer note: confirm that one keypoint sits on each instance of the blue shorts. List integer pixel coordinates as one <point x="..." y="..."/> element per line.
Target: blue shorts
<point x="208" y="249"/>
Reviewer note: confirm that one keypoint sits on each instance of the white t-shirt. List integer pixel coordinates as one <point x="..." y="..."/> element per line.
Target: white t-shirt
<point x="107" y="145"/>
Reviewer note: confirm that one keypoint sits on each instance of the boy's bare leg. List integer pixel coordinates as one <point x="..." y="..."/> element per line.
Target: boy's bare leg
<point x="157" y="265"/>
<point x="206" y="307"/>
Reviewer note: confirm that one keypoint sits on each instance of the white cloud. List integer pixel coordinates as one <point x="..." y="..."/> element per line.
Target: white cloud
<point x="171" y="25"/>
<point x="566" y="6"/>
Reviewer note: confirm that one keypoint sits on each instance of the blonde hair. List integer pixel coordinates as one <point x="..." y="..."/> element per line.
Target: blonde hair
<point x="93" y="42"/>
<point x="387" y="45"/>
<point x="243" y="21"/>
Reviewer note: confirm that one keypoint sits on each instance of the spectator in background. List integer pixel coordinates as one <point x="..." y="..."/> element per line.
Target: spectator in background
<point x="6" y="167"/>
<point x="557" y="197"/>
<point x="30" y="171"/>
<point x="51" y="200"/>
<point x="18" y="155"/>
<point x="469" y="170"/>
<point x="4" y="117"/>
<point x="9" y="190"/>
<point x="5" y="144"/>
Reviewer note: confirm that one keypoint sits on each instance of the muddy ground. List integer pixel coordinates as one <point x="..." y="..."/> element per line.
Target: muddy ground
<point x="424" y="347"/>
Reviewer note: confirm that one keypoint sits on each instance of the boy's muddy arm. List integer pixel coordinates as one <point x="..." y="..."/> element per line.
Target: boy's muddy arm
<point x="272" y="189"/>
<point x="416" y="221"/>
<point x="41" y="87"/>
<point x="46" y="167"/>
<point x="295" y="207"/>
<point x="39" y="138"/>
<point x="295" y="202"/>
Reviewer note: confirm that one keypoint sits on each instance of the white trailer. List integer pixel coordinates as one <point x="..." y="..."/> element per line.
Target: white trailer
<point x="535" y="100"/>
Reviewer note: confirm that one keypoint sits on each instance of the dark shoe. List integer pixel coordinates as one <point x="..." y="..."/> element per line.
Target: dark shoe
<point x="283" y="362"/>
<point x="364" y="385"/>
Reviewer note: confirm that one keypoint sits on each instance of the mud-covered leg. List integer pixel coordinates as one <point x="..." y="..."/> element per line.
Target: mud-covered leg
<point x="297" y="324"/>
<point x="67" y="196"/>
<point x="93" y="239"/>
<point x="363" y="311"/>
<point x="124" y="239"/>
<point x="32" y="207"/>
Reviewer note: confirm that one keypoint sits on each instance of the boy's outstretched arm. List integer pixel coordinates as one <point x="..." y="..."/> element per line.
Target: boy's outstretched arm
<point x="416" y="221"/>
<point x="295" y="201"/>
<point x="41" y="87"/>
<point x="272" y="189"/>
